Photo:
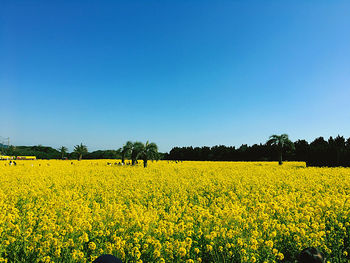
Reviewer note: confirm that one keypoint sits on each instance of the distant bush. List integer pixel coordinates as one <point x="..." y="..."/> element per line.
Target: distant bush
<point x="41" y="152"/>
<point x="103" y="154"/>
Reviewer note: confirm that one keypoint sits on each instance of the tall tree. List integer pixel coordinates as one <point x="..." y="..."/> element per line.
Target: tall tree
<point x="126" y="150"/>
<point x="339" y="144"/>
<point x="301" y="150"/>
<point x="282" y="142"/>
<point x="63" y="150"/>
<point x="135" y="151"/>
<point x="148" y="151"/>
<point x="80" y="150"/>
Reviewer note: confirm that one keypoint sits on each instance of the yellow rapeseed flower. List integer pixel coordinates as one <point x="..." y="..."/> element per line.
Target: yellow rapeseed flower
<point x="179" y="211"/>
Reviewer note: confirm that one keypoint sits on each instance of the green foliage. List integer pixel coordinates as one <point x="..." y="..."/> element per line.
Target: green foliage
<point x="125" y="151"/>
<point x="135" y="151"/>
<point x="103" y="154"/>
<point x="148" y="151"/>
<point x="139" y="150"/>
<point x="282" y="142"/>
<point x="3" y="148"/>
<point x="41" y="152"/>
<point x="63" y="150"/>
<point x="80" y="150"/>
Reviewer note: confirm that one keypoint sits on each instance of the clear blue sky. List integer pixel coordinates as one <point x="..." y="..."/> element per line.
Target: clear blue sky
<point x="174" y="72"/>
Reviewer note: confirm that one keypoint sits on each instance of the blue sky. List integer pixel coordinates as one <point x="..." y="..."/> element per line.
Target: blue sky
<point x="174" y="72"/>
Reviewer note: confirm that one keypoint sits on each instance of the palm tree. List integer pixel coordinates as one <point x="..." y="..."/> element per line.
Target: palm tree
<point x="135" y="151"/>
<point x="80" y="150"/>
<point x="63" y="150"/>
<point x="281" y="141"/>
<point x="126" y="150"/>
<point x="148" y="151"/>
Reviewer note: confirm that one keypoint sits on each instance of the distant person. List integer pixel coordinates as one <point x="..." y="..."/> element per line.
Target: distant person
<point x="311" y="255"/>
<point x="14" y="163"/>
<point x="10" y="163"/>
<point x="107" y="259"/>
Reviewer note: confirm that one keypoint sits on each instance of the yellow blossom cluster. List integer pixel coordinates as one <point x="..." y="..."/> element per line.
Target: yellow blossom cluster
<point x="58" y="211"/>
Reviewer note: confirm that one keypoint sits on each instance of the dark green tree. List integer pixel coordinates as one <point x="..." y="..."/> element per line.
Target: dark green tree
<point x="148" y="151"/>
<point x="11" y="150"/>
<point x="135" y="151"/>
<point x="80" y="150"/>
<point x="339" y="145"/>
<point x="126" y="150"/>
<point x="282" y="142"/>
<point x="63" y="151"/>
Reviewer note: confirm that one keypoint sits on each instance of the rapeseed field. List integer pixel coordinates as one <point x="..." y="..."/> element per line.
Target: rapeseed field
<point x="58" y="211"/>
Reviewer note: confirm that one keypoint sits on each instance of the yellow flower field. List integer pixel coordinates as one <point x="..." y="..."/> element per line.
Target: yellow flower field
<point x="55" y="211"/>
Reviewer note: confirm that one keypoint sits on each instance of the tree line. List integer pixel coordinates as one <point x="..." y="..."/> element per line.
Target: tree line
<point x="320" y="152"/>
<point x="131" y="150"/>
